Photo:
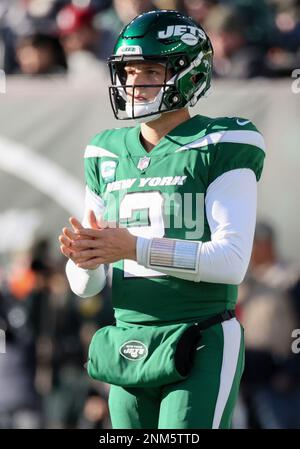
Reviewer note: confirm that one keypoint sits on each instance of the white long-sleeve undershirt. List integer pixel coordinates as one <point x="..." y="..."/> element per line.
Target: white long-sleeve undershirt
<point x="230" y="205"/>
<point x="86" y="283"/>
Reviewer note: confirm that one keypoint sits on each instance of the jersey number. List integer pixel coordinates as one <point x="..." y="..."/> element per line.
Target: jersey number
<point x="150" y="205"/>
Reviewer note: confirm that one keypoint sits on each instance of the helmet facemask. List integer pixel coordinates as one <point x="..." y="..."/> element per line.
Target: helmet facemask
<point x="175" y="92"/>
<point x="124" y="104"/>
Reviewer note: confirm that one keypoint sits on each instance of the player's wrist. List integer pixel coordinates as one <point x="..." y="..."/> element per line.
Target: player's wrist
<point x="132" y="253"/>
<point x="85" y="269"/>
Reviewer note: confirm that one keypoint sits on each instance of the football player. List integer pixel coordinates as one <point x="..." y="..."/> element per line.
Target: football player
<point x="171" y="204"/>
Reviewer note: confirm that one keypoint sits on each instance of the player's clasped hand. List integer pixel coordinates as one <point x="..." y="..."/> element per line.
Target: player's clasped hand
<point x="101" y="243"/>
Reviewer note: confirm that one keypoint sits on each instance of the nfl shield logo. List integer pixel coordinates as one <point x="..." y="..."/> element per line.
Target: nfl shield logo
<point x="143" y="163"/>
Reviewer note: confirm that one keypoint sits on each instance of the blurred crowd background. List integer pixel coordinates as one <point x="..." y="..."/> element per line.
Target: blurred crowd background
<point x="250" y="37"/>
<point x="43" y="381"/>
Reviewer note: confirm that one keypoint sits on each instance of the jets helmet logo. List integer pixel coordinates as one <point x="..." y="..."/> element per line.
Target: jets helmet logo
<point x="129" y="50"/>
<point x="133" y="350"/>
<point x="189" y="35"/>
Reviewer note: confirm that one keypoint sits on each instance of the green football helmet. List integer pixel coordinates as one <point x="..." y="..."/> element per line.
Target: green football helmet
<point x="169" y="38"/>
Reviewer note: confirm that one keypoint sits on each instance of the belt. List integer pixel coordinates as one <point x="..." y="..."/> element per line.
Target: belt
<point x="215" y="319"/>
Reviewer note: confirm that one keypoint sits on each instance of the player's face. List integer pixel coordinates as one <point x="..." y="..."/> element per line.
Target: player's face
<point x="144" y="73"/>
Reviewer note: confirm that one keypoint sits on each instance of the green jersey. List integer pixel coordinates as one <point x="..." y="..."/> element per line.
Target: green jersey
<point x="162" y="194"/>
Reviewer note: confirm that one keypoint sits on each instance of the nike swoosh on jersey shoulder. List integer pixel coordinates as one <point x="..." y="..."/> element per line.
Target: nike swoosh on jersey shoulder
<point x="242" y="122"/>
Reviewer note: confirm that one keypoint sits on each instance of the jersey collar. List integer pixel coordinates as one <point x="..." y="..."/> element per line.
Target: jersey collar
<point x="182" y="134"/>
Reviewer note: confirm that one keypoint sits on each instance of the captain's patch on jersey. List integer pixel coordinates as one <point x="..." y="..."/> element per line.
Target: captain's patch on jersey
<point x="108" y="170"/>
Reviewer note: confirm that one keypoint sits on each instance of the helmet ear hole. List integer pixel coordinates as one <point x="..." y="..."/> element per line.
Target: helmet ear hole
<point x="197" y="78"/>
<point x="175" y="99"/>
<point x="181" y="63"/>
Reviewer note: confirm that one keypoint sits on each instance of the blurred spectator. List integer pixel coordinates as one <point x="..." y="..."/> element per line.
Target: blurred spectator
<point x="85" y="44"/>
<point x="284" y="54"/>
<point x="63" y="326"/>
<point x="20" y="405"/>
<point x="42" y="376"/>
<point x="250" y="38"/>
<point x="95" y="413"/>
<point x="120" y="13"/>
<point x="199" y="10"/>
<point x="257" y="19"/>
<point x="7" y="51"/>
<point x="234" y="56"/>
<point x="70" y="326"/>
<point x="133" y="8"/>
<point x="20" y="18"/>
<point x="271" y="382"/>
<point x="39" y="55"/>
